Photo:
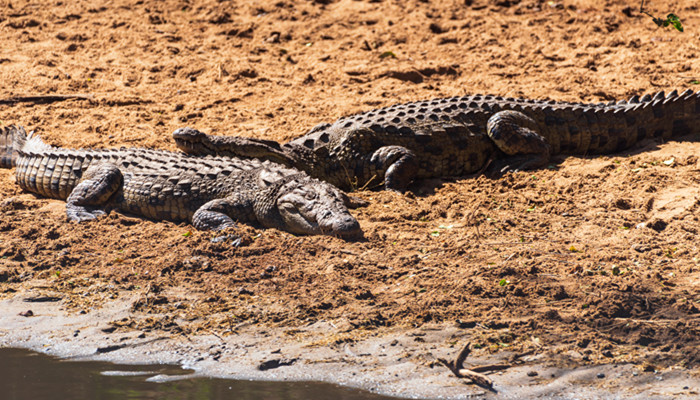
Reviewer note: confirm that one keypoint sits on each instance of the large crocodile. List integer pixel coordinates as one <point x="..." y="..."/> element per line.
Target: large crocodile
<point x="459" y="135"/>
<point x="209" y="192"/>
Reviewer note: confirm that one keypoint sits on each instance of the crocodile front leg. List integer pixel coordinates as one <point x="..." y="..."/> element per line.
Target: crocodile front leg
<point x="95" y="188"/>
<point x="400" y="165"/>
<point x="516" y="135"/>
<point x="220" y="213"/>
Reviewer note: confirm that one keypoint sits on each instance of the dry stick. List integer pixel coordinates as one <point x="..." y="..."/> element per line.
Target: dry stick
<point x="490" y="367"/>
<point x="46" y="99"/>
<point x="457" y="368"/>
<point x="476" y="377"/>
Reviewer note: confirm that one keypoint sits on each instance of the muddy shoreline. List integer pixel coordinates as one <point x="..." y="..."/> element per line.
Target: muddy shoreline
<point x="390" y="363"/>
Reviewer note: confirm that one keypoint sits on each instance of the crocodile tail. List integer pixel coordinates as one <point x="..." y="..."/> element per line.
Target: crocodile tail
<point x="12" y="140"/>
<point x="676" y="114"/>
<point x="685" y="112"/>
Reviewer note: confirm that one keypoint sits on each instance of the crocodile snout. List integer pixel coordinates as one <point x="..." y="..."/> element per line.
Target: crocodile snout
<point x="347" y="227"/>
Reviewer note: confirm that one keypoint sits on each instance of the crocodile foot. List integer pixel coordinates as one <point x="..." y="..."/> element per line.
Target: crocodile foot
<point x="400" y="165"/>
<point x="96" y="187"/>
<point x="516" y="135"/>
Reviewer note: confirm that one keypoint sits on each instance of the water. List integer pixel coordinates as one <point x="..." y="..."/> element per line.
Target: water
<point x="25" y="375"/>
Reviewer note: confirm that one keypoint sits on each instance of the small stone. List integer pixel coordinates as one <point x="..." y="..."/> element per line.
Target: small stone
<point x="109" y="329"/>
<point x="532" y="373"/>
<point x="600" y="375"/>
<point x="276" y="363"/>
<point x="27" y="313"/>
<point x="236" y="241"/>
<point x="640" y="248"/>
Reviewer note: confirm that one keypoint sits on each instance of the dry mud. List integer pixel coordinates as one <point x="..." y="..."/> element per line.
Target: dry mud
<point x="593" y="261"/>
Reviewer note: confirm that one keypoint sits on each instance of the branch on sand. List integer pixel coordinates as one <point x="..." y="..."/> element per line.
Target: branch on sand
<point x="44" y="99"/>
<point x="475" y="373"/>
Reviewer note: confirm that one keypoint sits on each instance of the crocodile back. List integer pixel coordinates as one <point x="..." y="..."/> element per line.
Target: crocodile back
<point x="570" y="128"/>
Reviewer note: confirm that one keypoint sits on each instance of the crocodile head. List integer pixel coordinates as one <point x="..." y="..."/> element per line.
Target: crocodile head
<point x="307" y="206"/>
<point x="192" y="141"/>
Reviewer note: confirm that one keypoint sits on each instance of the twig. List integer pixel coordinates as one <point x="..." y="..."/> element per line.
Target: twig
<point x="476" y="377"/>
<point x="654" y="321"/>
<point x="462" y="356"/>
<point x="490" y="367"/>
<point x="475" y="373"/>
<point x="40" y="99"/>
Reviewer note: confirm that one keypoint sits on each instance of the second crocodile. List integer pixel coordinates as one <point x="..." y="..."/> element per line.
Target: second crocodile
<point x="456" y="136"/>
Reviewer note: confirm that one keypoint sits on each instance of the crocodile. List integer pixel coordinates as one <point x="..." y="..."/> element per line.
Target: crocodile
<point x="451" y="137"/>
<point x="209" y="192"/>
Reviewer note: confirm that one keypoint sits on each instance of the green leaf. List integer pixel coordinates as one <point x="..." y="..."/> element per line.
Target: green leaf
<point x="675" y="21"/>
<point x="187" y="234"/>
<point x="695" y="82"/>
<point x="503" y="282"/>
<point x="434" y="233"/>
<point x="671" y="19"/>
<point x="387" y="54"/>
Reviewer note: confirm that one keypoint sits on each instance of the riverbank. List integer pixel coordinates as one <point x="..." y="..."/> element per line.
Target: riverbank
<point x="394" y="363"/>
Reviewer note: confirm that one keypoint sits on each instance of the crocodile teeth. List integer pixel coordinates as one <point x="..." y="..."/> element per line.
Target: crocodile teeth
<point x="634" y="99"/>
<point x="672" y="94"/>
<point x="622" y="102"/>
<point x="688" y="92"/>
<point x="646" y="98"/>
<point x="611" y="103"/>
<point x="659" y="96"/>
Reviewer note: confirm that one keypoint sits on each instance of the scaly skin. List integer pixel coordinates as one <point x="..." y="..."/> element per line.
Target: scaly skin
<point x="457" y="136"/>
<point x="209" y="192"/>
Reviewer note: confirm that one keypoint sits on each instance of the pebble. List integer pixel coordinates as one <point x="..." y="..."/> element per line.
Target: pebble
<point x="532" y="373"/>
<point x="235" y="242"/>
<point x="600" y="375"/>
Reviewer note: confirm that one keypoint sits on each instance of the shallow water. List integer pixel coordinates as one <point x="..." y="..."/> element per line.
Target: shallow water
<point x="26" y="375"/>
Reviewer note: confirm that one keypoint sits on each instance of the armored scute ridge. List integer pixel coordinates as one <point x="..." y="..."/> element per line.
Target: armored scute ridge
<point x="209" y="192"/>
<point x="456" y="136"/>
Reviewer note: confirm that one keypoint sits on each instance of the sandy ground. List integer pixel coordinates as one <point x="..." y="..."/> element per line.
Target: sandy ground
<point x="593" y="261"/>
